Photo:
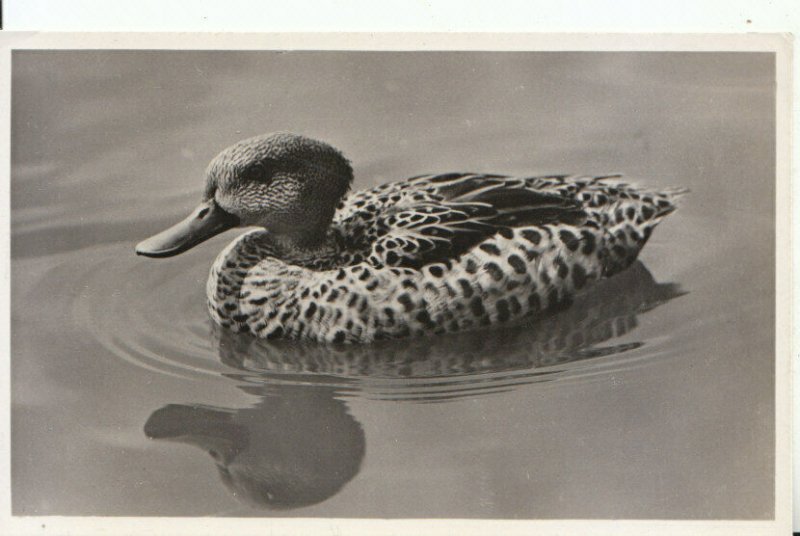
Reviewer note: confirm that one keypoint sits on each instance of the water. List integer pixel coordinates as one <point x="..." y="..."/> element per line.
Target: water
<point x="651" y="397"/>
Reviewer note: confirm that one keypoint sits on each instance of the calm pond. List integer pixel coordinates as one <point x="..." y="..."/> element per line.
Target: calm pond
<point x="650" y="397"/>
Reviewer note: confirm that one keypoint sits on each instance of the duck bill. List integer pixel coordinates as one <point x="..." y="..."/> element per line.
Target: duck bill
<point x="177" y="421"/>
<point x="206" y="427"/>
<point x="207" y="220"/>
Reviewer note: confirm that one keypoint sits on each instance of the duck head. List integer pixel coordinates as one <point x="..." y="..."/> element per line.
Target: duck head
<point x="286" y="183"/>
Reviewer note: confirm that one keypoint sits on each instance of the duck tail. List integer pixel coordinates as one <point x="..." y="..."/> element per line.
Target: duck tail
<point x="672" y="197"/>
<point x="676" y="191"/>
<point x="633" y="223"/>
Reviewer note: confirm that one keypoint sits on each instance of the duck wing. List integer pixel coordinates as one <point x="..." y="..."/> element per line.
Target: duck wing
<point x="440" y="217"/>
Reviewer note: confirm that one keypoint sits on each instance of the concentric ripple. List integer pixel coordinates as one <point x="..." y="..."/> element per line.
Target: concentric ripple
<point x="152" y="316"/>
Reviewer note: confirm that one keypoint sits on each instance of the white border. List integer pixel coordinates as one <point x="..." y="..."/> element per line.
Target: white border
<point x="403" y="15"/>
<point x="780" y="44"/>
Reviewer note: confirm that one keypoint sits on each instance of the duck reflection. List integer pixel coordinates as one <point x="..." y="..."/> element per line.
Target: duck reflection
<point x="296" y="447"/>
<point x="299" y="445"/>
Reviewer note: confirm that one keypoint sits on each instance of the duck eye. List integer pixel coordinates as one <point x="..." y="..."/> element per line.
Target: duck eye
<point x="257" y="171"/>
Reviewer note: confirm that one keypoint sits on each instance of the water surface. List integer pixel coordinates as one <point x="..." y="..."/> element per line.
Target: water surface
<point x="650" y="397"/>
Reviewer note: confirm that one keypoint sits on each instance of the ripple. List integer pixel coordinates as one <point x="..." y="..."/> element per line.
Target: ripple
<point x="153" y="318"/>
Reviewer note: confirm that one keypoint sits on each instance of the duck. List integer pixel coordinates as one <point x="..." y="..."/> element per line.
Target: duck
<point x="428" y="255"/>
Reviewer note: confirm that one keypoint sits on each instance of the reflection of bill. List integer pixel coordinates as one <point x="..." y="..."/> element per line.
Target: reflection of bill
<point x="299" y="445"/>
<point x="574" y="332"/>
<point x="296" y="447"/>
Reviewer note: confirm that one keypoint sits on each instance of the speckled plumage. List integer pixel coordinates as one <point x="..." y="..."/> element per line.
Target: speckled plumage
<point x="607" y="310"/>
<point x="433" y="254"/>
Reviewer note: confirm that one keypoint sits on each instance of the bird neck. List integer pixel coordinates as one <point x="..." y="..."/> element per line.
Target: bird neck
<point x="306" y="249"/>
